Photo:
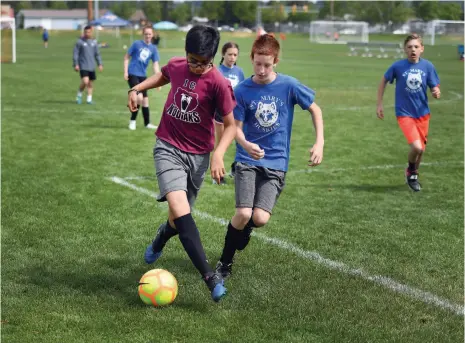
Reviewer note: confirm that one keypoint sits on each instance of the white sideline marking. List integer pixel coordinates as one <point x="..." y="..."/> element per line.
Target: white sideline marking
<point x="385" y="166"/>
<point x="384" y="281"/>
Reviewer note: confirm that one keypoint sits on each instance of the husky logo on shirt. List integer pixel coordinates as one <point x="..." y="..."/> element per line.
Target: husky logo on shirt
<point x="266" y="114"/>
<point x="144" y="54"/>
<point x="234" y="79"/>
<point x="184" y="105"/>
<point x="413" y="80"/>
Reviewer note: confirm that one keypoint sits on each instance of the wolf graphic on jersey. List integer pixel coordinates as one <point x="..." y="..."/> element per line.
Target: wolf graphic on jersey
<point x="184" y="105"/>
<point x="234" y="79"/>
<point x="413" y="80"/>
<point x="144" y="54"/>
<point x="266" y="114"/>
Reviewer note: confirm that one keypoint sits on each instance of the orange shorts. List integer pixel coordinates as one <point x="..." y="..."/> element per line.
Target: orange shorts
<point x="415" y="129"/>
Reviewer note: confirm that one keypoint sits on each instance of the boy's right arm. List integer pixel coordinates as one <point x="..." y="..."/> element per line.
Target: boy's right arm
<point x="252" y="149"/>
<point x="379" y="104"/>
<point x="154" y="81"/>
<point x="76" y="57"/>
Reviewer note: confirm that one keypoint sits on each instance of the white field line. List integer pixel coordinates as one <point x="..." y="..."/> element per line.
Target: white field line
<point x="383" y="166"/>
<point x="384" y="281"/>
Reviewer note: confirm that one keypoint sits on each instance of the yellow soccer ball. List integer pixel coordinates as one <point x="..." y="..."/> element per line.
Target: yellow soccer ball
<point x="158" y="287"/>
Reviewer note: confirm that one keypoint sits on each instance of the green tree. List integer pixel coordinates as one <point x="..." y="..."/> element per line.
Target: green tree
<point x="213" y="10"/>
<point x="58" y="5"/>
<point x="244" y="11"/>
<point x="152" y="10"/>
<point x="427" y="10"/>
<point x="450" y="11"/>
<point x="181" y="13"/>
<point x="375" y="12"/>
<point x="124" y="9"/>
<point x="273" y="13"/>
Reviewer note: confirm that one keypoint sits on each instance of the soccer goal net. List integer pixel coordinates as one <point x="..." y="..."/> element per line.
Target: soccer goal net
<point x="444" y="32"/>
<point x="334" y="32"/>
<point x="8" y="33"/>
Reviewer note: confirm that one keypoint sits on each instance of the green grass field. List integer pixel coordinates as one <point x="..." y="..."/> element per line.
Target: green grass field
<point x="350" y="255"/>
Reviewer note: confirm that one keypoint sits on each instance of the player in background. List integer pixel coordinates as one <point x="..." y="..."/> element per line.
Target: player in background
<point x="135" y="71"/>
<point x="85" y="54"/>
<point x="413" y="76"/>
<point x="232" y="72"/>
<point x="185" y="138"/>
<point x="45" y="37"/>
<point x="264" y="115"/>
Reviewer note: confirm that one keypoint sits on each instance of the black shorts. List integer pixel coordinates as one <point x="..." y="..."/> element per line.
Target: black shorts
<point x="90" y="74"/>
<point x="135" y="80"/>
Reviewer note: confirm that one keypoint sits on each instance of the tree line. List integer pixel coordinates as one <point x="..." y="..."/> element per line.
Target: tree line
<point x="244" y="12"/>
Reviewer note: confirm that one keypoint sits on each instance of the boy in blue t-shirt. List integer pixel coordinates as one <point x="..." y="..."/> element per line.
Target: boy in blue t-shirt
<point x="235" y="75"/>
<point x="264" y="114"/>
<point x="141" y="52"/>
<point x="413" y="77"/>
<point x="45" y="37"/>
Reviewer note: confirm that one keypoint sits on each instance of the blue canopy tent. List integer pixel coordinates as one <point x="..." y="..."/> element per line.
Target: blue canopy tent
<point x="165" y="25"/>
<point x="110" y="20"/>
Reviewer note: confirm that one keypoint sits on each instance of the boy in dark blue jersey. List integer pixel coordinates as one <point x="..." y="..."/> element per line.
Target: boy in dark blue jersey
<point x="140" y="53"/>
<point x="264" y="114"/>
<point x="413" y="77"/>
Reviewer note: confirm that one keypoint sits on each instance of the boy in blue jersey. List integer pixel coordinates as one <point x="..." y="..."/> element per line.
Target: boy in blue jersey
<point x="45" y="37"/>
<point x="413" y="77"/>
<point x="234" y="74"/>
<point x="264" y="114"/>
<point x="141" y="52"/>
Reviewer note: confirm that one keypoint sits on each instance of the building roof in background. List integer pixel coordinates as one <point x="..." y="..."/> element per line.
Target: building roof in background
<point x="138" y="16"/>
<point x="71" y="14"/>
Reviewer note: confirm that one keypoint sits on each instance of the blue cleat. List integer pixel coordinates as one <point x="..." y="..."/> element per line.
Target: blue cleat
<point x="79" y="99"/>
<point x="215" y="284"/>
<point x="150" y="256"/>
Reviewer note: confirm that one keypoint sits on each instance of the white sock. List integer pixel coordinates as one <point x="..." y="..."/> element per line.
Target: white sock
<point x="79" y="93"/>
<point x="89" y="98"/>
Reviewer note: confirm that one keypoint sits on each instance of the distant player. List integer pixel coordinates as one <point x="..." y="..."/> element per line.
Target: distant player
<point x="232" y="72"/>
<point x="413" y="77"/>
<point x="264" y="115"/>
<point x="140" y="52"/>
<point x="45" y="37"/>
<point x="85" y="54"/>
<point x="185" y="139"/>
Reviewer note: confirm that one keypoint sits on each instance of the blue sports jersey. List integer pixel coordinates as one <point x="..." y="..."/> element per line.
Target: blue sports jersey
<point x="235" y="75"/>
<point x="267" y="112"/>
<point x="45" y="35"/>
<point x="412" y="82"/>
<point x="140" y="53"/>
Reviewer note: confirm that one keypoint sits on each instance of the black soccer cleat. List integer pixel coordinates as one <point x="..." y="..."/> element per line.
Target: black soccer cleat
<point x="225" y="270"/>
<point x="215" y="284"/>
<point x="412" y="180"/>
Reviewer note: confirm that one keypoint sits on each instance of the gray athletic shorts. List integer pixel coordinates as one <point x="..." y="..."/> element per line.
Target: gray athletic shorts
<point x="258" y="186"/>
<point x="178" y="170"/>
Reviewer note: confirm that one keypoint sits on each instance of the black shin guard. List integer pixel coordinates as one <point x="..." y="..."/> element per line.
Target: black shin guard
<point x="233" y="236"/>
<point x="146" y="114"/>
<point x="190" y="239"/>
<point x="134" y="114"/>
<point x="163" y="236"/>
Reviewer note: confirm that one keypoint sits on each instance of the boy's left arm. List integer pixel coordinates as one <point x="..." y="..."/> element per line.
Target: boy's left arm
<point x="98" y="57"/>
<point x="433" y="82"/>
<point x="316" y="152"/>
<point x="217" y="163"/>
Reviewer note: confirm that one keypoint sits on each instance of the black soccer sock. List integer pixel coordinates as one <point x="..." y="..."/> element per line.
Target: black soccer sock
<point x="233" y="235"/>
<point x="146" y="114"/>
<point x="412" y="166"/>
<point x="190" y="239"/>
<point x="134" y="114"/>
<point x="160" y="240"/>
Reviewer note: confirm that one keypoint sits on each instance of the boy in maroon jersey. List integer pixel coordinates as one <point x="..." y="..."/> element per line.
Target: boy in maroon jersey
<point x="185" y="138"/>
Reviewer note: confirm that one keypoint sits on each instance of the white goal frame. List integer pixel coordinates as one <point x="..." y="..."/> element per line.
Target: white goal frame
<point x="12" y="23"/>
<point x="323" y="31"/>
<point x="431" y="29"/>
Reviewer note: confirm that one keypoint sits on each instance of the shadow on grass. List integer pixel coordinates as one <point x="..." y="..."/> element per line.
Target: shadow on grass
<point x="365" y="187"/>
<point x="115" y="278"/>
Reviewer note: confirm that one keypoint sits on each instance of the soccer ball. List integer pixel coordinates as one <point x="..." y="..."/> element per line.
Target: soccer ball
<point x="125" y="47"/>
<point x="158" y="287"/>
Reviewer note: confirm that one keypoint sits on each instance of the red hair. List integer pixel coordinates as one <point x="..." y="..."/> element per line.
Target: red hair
<point x="265" y="45"/>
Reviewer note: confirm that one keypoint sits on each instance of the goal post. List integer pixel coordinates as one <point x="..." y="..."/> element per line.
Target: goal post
<point x="338" y="32"/>
<point x="8" y="33"/>
<point x="444" y="32"/>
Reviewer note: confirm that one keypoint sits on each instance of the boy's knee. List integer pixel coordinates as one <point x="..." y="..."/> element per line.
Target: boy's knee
<point x="260" y="217"/>
<point x="417" y="147"/>
<point x="243" y="215"/>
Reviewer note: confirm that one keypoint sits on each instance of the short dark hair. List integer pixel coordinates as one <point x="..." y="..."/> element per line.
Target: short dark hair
<point x="88" y="27"/>
<point x="202" y="40"/>
<point x="412" y="37"/>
